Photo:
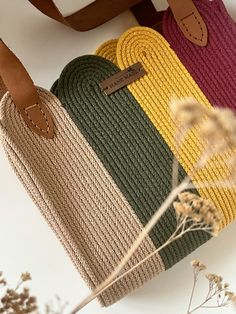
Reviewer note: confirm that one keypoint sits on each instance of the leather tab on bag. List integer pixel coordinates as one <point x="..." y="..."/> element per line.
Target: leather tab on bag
<point x="189" y="21"/>
<point x="24" y="93"/>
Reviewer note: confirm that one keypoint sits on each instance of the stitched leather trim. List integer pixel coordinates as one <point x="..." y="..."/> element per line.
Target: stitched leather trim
<point x="24" y="94"/>
<point x="190" y="21"/>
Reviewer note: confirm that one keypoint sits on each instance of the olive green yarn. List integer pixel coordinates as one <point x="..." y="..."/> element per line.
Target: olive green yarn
<point x="128" y="144"/>
<point x="54" y="88"/>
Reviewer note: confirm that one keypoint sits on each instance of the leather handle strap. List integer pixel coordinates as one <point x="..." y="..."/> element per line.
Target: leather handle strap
<point x="186" y="15"/>
<point x="189" y="21"/>
<point x="91" y="16"/>
<point x="185" y="12"/>
<point x="24" y="93"/>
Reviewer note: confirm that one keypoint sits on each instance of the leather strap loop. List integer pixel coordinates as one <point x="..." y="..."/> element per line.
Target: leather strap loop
<point x="91" y="16"/>
<point x="24" y="94"/>
<point x="189" y="21"/>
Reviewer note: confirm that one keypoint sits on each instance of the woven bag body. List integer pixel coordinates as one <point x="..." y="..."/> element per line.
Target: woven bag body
<point x="108" y="167"/>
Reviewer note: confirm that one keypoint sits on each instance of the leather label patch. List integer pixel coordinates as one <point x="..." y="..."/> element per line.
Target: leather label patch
<point x="122" y="78"/>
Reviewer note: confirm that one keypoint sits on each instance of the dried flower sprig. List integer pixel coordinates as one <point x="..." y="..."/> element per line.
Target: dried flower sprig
<point x="201" y="213"/>
<point x="220" y="129"/>
<point x="218" y="294"/>
<point x="193" y="214"/>
<point x="217" y="127"/>
<point x="2" y="280"/>
<point x="18" y="300"/>
<point x="58" y="308"/>
<point x="212" y="125"/>
<point x="187" y="111"/>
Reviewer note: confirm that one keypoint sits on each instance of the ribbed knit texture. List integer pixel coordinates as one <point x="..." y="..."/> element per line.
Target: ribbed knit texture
<point x="53" y="89"/>
<point x="108" y="50"/>
<point x="213" y="67"/>
<point x="2" y="89"/>
<point x="131" y="149"/>
<point x="78" y="198"/>
<point x="167" y="77"/>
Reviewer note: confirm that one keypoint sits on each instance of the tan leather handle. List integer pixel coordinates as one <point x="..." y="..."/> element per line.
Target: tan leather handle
<point x="185" y="12"/>
<point x="189" y="21"/>
<point x="24" y="94"/>
<point x="91" y="16"/>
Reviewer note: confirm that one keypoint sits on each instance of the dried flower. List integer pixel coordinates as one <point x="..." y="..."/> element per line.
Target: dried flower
<point x="194" y="263"/>
<point x="25" y="276"/>
<point x="198" y="265"/>
<point x="2" y="280"/>
<point x="187" y="111"/>
<point x="193" y="212"/>
<point x="219" y="129"/>
<point x="199" y="210"/>
<point x="230" y="296"/>
<point x="218" y="291"/>
<point x="56" y="306"/>
<point x="214" y="278"/>
<point x="18" y="301"/>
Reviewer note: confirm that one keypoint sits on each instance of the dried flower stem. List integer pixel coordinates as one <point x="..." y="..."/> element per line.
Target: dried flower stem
<point x="216" y="290"/>
<point x="175" y="166"/>
<point x="189" y="113"/>
<point x="185" y="184"/>
<point x="192" y="292"/>
<point x="175" y="236"/>
<point x="202" y="305"/>
<point x="175" y="172"/>
<point x="216" y="184"/>
<point x="152" y="222"/>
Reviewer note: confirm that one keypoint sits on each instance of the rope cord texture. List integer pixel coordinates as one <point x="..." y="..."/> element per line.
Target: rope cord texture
<point x="129" y="146"/>
<point x="213" y="67"/>
<point x="78" y="198"/>
<point x="167" y="77"/>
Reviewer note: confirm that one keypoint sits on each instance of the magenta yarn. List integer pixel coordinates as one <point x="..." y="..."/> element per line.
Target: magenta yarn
<point x="213" y="67"/>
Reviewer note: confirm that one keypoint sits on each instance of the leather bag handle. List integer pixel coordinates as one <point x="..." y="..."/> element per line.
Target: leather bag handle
<point x="185" y="12"/>
<point x="16" y="80"/>
<point x="91" y="16"/>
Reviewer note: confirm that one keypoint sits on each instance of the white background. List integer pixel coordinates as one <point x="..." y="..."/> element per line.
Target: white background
<point x="26" y="242"/>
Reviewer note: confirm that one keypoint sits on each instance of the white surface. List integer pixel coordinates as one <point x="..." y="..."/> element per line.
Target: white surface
<point x="26" y="242"/>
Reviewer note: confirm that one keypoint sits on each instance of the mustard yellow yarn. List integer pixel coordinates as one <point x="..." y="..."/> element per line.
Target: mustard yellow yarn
<point x="108" y="50"/>
<point x="167" y="77"/>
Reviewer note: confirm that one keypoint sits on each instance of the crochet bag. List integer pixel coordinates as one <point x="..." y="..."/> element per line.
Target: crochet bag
<point x="99" y="166"/>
